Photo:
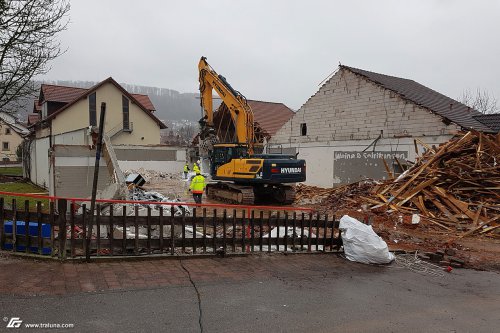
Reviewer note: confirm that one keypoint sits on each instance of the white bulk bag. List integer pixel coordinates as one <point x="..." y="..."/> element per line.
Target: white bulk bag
<point x="362" y="244"/>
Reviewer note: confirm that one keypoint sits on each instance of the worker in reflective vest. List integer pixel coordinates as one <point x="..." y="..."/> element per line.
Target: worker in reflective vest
<point x="197" y="186"/>
<point x="195" y="167"/>
<point x="186" y="170"/>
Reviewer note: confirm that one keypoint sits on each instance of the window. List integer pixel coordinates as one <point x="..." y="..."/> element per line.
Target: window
<point x="92" y="110"/>
<point x="5" y="146"/>
<point x="7" y="131"/>
<point x="303" y="129"/>
<point x="126" y="122"/>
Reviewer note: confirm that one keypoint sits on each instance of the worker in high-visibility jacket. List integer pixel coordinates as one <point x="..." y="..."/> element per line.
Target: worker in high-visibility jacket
<point x="197" y="186"/>
<point x="196" y="168"/>
<point x="186" y="170"/>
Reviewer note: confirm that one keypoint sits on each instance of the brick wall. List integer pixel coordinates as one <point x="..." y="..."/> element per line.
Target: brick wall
<point x="349" y="107"/>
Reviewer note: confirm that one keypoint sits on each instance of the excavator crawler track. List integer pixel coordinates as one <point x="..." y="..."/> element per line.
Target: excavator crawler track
<point x="249" y="195"/>
<point x="231" y="193"/>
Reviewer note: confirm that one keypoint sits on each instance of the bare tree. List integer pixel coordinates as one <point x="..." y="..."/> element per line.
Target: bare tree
<point x="28" y="31"/>
<point x="481" y="101"/>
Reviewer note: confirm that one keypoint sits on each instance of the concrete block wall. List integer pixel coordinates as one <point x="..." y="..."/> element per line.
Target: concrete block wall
<point x="349" y="107"/>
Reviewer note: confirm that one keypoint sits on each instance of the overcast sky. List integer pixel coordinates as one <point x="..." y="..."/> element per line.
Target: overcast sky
<point x="282" y="50"/>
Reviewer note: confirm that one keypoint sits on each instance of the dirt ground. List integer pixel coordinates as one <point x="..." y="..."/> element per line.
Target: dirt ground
<point x="478" y="252"/>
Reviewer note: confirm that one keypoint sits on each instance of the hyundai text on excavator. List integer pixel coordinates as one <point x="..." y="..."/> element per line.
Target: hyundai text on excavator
<point x="243" y="176"/>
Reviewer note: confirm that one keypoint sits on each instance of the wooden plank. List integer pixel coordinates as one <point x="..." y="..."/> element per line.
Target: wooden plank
<point x="411" y="193"/>
<point x="457" y="203"/>
<point x="277" y="231"/>
<point x="72" y="228"/>
<point x="243" y="232"/>
<point x="84" y="227"/>
<point x="62" y="208"/>
<point x="27" y="241"/>
<point x="136" y="230"/>
<point x="302" y="232"/>
<point x="261" y="230"/>
<point x="310" y="231"/>
<point x="162" y="236"/>
<point x="172" y="230"/>
<point x="233" y="243"/>
<point x="286" y="231"/>
<point x="325" y="222"/>
<point x="294" y="226"/>
<point x="437" y="223"/>
<point x="424" y="166"/>
<point x="183" y="237"/>
<point x="194" y="230"/>
<point x="214" y="228"/>
<point x="252" y="231"/>
<point x="444" y="210"/>
<point x="111" y="235"/>
<point x="52" y="220"/>
<point x="124" y="229"/>
<point x="269" y="233"/>
<point x="387" y="169"/>
<point x="224" y="229"/>
<point x="205" y="230"/>
<point x="332" y="236"/>
<point x="2" y="223"/>
<point x="98" y="226"/>
<point x="487" y="230"/>
<point x="470" y="232"/>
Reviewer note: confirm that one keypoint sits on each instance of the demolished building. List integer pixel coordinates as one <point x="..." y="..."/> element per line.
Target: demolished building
<point x="360" y="124"/>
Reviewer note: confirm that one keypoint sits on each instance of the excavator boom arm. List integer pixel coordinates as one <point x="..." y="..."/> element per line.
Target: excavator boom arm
<point x="240" y="111"/>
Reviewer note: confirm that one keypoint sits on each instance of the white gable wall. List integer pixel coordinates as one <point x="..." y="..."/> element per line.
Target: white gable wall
<point x="349" y="113"/>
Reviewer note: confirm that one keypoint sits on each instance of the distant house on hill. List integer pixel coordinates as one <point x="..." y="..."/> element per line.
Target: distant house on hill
<point x="129" y="119"/>
<point x="11" y="136"/>
<point x="359" y="120"/>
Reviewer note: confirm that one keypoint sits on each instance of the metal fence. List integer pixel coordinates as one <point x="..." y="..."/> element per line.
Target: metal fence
<point x="133" y="230"/>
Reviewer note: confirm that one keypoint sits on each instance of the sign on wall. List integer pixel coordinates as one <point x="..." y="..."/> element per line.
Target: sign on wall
<point x="351" y="166"/>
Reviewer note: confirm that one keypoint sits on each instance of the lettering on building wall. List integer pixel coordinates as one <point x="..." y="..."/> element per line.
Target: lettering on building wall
<point x="352" y="166"/>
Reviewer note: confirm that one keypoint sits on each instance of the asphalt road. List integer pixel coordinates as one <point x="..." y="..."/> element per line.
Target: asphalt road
<point x="327" y="295"/>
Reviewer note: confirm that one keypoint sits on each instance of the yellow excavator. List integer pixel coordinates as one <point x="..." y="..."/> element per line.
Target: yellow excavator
<point x="242" y="176"/>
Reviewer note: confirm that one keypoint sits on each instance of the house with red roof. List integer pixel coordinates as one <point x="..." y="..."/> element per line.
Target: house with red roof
<point x="129" y="117"/>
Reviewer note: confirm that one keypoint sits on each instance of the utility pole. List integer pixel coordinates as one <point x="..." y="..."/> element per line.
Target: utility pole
<point x="96" y="177"/>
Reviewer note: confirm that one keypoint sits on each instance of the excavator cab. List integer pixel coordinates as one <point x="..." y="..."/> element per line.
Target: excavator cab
<point x="224" y="153"/>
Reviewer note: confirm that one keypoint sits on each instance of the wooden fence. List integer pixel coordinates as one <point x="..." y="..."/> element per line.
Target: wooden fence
<point x="61" y="233"/>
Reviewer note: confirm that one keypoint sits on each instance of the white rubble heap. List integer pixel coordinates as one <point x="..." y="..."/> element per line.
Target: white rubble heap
<point x="138" y="194"/>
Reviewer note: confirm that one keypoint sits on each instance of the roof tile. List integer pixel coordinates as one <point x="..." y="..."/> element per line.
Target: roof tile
<point x="438" y="103"/>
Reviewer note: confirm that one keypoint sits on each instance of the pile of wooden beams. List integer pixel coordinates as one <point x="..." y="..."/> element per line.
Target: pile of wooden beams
<point x="455" y="186"/>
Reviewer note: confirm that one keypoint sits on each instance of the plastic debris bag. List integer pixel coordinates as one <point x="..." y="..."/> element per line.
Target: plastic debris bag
<point x="362" y="244"/>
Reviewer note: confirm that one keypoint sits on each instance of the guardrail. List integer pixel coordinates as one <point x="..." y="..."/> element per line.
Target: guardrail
<point x="138" y="228"/>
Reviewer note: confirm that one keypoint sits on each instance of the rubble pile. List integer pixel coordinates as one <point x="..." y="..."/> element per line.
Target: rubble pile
<point x="342" y="197"/>
<point x="455" y="186"/>
<point x="136" y="193"/>
<point x="152" y="176"/>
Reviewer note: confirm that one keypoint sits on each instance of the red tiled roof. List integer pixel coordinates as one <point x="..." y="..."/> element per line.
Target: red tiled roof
<point x="85" y="92"/>
<point x="144" y="100"/>
<point x="33" y="118"/>
<point x="53" y="93"/>
<point x="270" y="116"/>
